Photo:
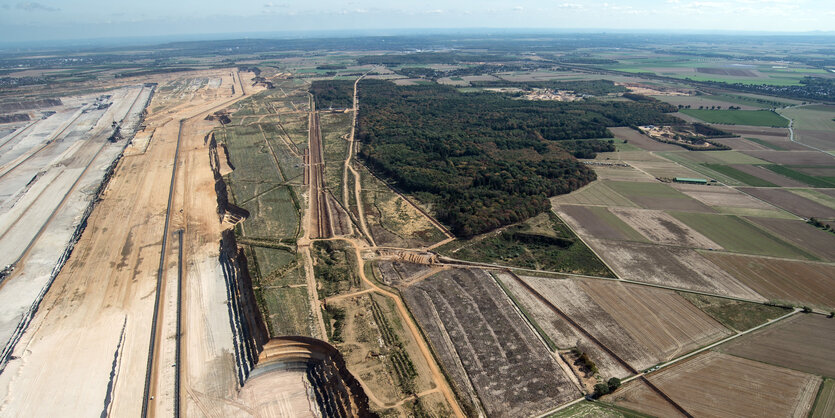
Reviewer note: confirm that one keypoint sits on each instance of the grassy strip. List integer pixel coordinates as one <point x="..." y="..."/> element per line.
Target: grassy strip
<point x="739" y="117"/>
<point x="825" y="391"/>
<point x="797" y="175"/>
<point x="765" y="144"/>
<point x="739" y="175"/>
<point x="550" y="343"/>
<point x="734" y="314"/>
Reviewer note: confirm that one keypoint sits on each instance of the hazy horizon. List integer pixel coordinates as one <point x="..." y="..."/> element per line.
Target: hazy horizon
<point x="47" y="20"/>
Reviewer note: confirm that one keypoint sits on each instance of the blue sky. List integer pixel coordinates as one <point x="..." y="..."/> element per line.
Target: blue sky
<point x="22" y="21"/>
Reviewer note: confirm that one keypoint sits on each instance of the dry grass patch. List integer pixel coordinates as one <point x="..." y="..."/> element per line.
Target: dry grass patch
<point x="662" y="228"/>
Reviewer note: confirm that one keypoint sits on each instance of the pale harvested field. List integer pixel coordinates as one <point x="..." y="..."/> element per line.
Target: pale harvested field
<point x="791" y="202"/>
<point x="594" y="194"/>
<point x="665" y="169"/>
<point x="767" y="175"/>
<point x="597" y="222"/>
<point x="660" y="228"/>
<point x="485" y="346"/>
<point x="619" y="173"/>
<point x="803" y="342"/>
<point x="637" y="396"/>
<point x="670" y="266"/>
<point x="719" y="385"/>
<point x="643" y="326"/>
<point x="640" y="140"/>
<point x="721" y="196"/>
<point x="558" y="330"/>
<point x="784" y="280"/>
<point x="820" y="243"/>
<point x="794" y="157"/>
<point x="629" y="156"/>
<point x="664" y="322"/>
<point x="824" y="140"/>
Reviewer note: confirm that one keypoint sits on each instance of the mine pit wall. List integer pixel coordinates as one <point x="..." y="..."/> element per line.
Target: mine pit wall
<point x="226" y="211"/>
<point x="6" y="353"/>
<point x="249" y="333"/>
<point x="335" y="390"/>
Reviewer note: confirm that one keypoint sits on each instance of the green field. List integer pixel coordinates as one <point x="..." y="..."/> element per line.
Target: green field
<point x="813" y="181"/>
<point x="765" y="144"/>
<point x="334" y="126"/>
<point x="681" y="158"/>
<point x="613" y="221"/>
<point x="739" y="175"/>
<point x="542" y="242"/>
<point x="286" y="310"/>
<point x="737" y="235"/>
<point x="825" y="401"/>
<point x="734" y="314"/>
<point x="816" y="118"/>
<point x="739" y="117"/>
<point x="644" y="189"/>
<point x="596" y="409"/>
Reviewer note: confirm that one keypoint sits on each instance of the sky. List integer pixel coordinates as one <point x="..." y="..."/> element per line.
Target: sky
<point x="26" y="21"/>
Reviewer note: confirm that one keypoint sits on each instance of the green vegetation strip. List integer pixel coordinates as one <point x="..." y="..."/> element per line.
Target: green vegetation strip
<point x="739" y="175"/>
<point x="737" y="235"/>
<point x="824" y="400"/>
<point x="739" y="117"/>
<point x="813" y="181"/>
<point x="734" y="314"/>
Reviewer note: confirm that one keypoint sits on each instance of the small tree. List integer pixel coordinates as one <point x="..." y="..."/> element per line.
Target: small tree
<point x="613" y="383"/>
<point x="601" y="389"/>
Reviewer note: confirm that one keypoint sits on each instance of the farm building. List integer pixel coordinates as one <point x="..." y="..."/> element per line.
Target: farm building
<point x="690" y="180"/>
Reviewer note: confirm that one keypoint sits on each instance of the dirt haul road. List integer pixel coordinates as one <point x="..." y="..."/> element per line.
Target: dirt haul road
<point x="86" y="350"/>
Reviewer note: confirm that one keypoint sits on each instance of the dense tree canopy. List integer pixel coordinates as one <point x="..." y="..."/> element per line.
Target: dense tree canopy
<point x="484" y="160"/>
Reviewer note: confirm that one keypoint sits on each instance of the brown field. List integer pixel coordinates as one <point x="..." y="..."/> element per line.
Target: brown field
<point x="767" y="175"/>
<point x="784" y="280"/>
<point x="819" y="242"/>
<point x="563" y="334"/>
<point x="818" y="171"/>
<point x="736" y="72"/>
<point x="664" y="169"/>
<point x="618" y="172"/>
<point x="637" y="396"/>
<point x="486" y="347"/>
<point x="819" y="139"/>
<point x="791" y="202"/>
<point x="741" y="144"/>
<point x="719" y="385"/>
<point x="643" y="326"/>
<point x="642" y="141"/>
<point x="721" y="196"/>
<point x="670" y="266"/>
<point x="661" y="228"/>
<point x="597" y="222"/>
<point x="794" y="157"/>
<point x="803" y="342"/>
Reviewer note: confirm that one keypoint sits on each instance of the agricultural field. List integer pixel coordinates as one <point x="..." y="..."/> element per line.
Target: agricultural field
<point x="657" y="196"/>
<point x="734" y="314"/>
<point x="663" y="169"/>
<point x="794" y="203"/>
<point x="802" y="342"/>
<point x="795" y="282"/>
<point x="286" y="311"/>
<point x="335" y="268"/>
<point x="682" y="268"/>
<point x="597" y="222"/>
<point x="799" y="233"/>
<point x="731" y="201"/>
<point x="334" y="128"/>
<point x="738" y="235"/>
<point x="542" y="242"/>
<point x="825" y="402"/>
<point x="794" y="158"/>
<point x="715" y="384"/>
<point x="824" y="197"/>
<point x="661" y="228"/>
<point x="597" y="193"/>
<point x="495" y="361"/>
<point x="644" y="326"/>
<point x="641" y="141"/>
<point x="739" y="117"/>
<point x="595" y="409"/>
<point x="638" y="396"/>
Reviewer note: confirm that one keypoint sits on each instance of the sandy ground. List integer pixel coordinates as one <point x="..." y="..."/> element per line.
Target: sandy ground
<point x="94" y="323"/>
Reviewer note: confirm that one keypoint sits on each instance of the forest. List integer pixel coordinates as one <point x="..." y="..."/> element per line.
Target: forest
<point x="482" y="160"/>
